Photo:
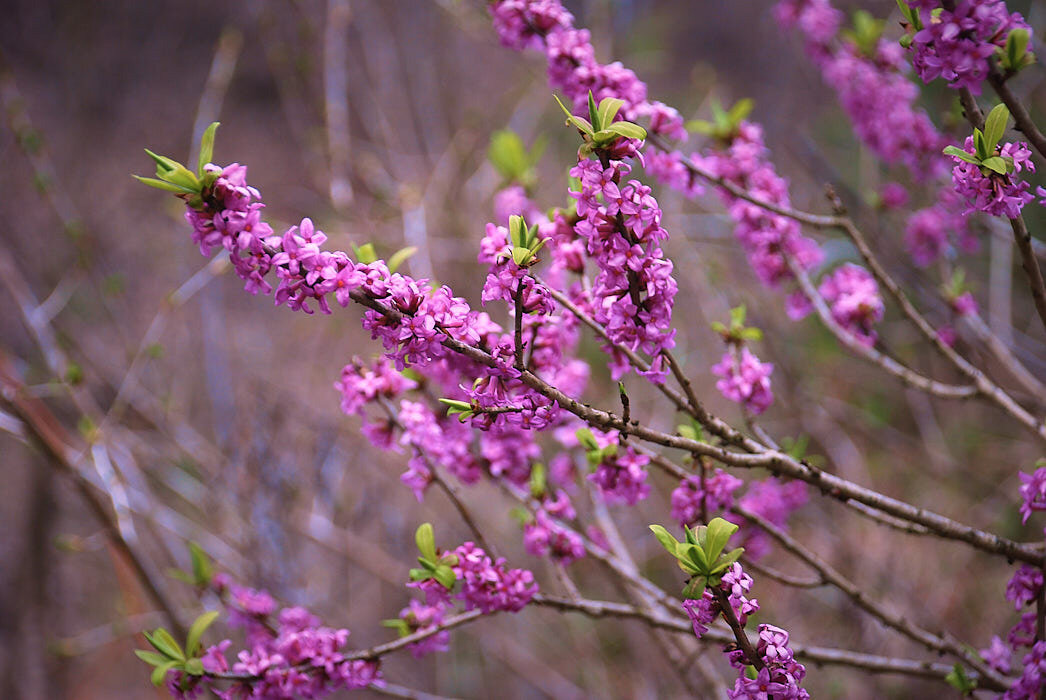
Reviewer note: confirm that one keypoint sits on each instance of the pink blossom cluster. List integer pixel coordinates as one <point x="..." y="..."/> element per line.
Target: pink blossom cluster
<point x="694" y="496"/>
<point x="766" y="237"/>
<point x="621" y="475"/>
<point x="572" y="65"/>
<point x="633" y="293"/>
<point x="423" y="617"/>
<point x="490" y="586"/>
<point x="544" y="537"/>
<point x="1023" y="590"/>
<point x="744" y="379"/>
<point x="957" y="44"/>
<point x="1032" y="492"/>
<point x="990" y="192"/>
<point x="289" y="654"/>
<point x="931" y="232"/>
<point x="852" y="294"/>
<point x="781" y="674"/>
<point x="775" y="502"/>
<point x="874" y="90"/>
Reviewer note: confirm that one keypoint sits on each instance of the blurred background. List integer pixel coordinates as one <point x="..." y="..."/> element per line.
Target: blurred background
<point x="212" y="415"/>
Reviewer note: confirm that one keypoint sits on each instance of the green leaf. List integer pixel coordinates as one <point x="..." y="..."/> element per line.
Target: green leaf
<point x="727" y="560"/>
<point x="429" y="564"/>
<point x="608" y="109"/>
<point x="445" y="575"/>
<point x="593" y="112"/>
<point x="751" y="334"/>
<point x="401" y="626"/>
<point x="508" y="155"/>
<point x="194" y="667"/>
<point x="426" y="540"/>
<point x="151" y="657"/>
<point x="741" y="109"/>
<point x="165" y="644"/>
<point x="626" y="129"/>
<point x="700" y="126"/>
<point x="695" y="588"/>
<point x="698" y="556"/>
<point x="202" y="569"/>
<point x="419" y="574"/>
<point x="996" y="164"/>
<point x="718" y="534"/>
<point x="958" y="679"/>
<point x="163" y="163"/>
<point x="665" y="538"/>
<point x="578" y="122"/>
<point x="737" y="315"/>
<point x="961" y="154"/>
<point x="538" y="480"/>
<point x="207" y="147"/>
<point x="160" y="672"/>
<point x="161" y="185"/>
<point x="588" y="440"/>
<point x="995" y="127"/>
<point x="365" y="253"/>
<point x="199" y="626"/>
<point x="521" y="256"/>
<point x="980" y="145"/>
<point x="401" y="256"/>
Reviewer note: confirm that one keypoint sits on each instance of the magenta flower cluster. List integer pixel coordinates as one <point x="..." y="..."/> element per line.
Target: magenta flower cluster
<point x="931" y="232"/>
<point x="489" y="586"/>
<point x="712" y="495"/>
<point x="873" y="89"/>
<point x="990" y="192"/>
<point x="621" y="476"/>
<point x="289" y="654"/>
<point x="853" y="296"/>
<point x="633" y="293"/>
<point x="958" y="43"/>
<point x="781" y="675"/>
<point x="744" y="379"/>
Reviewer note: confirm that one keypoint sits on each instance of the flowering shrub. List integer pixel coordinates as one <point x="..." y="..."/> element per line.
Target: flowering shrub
<point x="501" y="395"/>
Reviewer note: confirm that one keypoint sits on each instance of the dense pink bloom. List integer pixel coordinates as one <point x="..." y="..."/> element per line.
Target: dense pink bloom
<point x="622" y="477"/>
<point x="1023" y="588"/>
<point x="998" y="655"/>
<point x="489" y="585"/>
<point x="957" y="44"/>
<point x="421" y="617"/>
<point x="992" y="193"/>
<point x="544" y="538"/>
<point x="853" y="296"/>
<point x="702" y="612"/>
<point x="718" y="494"/>
<point x="745" y="380"/>
<point x="1033" y="492"/>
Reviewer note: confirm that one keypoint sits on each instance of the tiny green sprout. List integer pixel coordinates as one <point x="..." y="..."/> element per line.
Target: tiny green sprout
<point x="865" y="33"/>
<point x="511" y="158"/>
<point x="400" y="256"/>
<point x="701" y="553"/>
<point x="538" y="480"/>
<point x="1014" y="55"/>
<point x="986" y="144"/>
<point x="737" y="332"/>
<point x="725" y="123"/>
<point x="365" y="254"/>
<point x="596" y="455"/>
<point x="172" y="176"/>
<point x="462" y="409"/>
<point x="169" y="656"/>
<point x="958" y="679"/>
<point x="600" y="131"/>
<point x="525" y="241"/>
<point x="435" y="566"/>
